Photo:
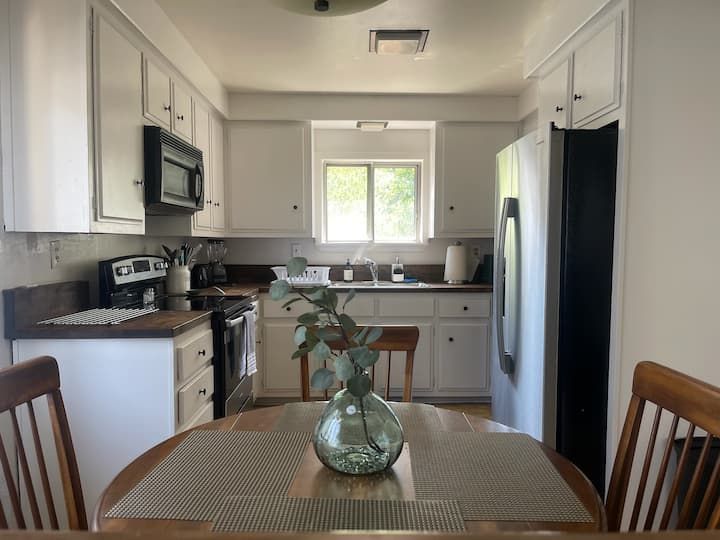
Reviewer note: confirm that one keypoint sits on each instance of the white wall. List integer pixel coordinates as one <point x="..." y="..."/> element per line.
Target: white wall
<point x="671" y="292"/>
<point x="372" y="107"/>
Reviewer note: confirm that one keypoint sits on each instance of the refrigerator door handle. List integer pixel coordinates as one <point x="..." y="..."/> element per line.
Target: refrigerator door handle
<point x="509" y="210"/>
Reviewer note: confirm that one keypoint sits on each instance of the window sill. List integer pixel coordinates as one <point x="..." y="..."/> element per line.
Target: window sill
<point x="370" y="247"/>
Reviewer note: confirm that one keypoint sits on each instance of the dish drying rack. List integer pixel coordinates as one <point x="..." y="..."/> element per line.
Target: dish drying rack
<point x="313" y="276"/>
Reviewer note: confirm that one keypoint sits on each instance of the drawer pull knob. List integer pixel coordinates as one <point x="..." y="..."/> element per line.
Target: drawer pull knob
<point x="452" y="208"/>
<point x="558" y="108"/>
<point x="203" y="391"/>
<point x="201" y="353"/>
<point x="465" y="308"/>
<point x="451" y="339"/>
<point x="288" y="308"/>
<point x="577" y="97"/>
<point x="166" y="107"/>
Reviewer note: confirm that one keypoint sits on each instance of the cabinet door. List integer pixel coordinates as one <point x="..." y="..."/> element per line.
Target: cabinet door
<point x="182" y="113"/>
<point x="465" y="178"/>
<point x="119" y="130"/>
<point x="217" y="147"/>
<point x="553" y="91"/>
<point x="202" y="220"/>
<point x="596" y="75"/>
<point x="157" y="106"/>
<point x="463" y="358"/>
<point x="269" y="177"/>
<point x="281" y="374"/>
<point x="422" y="365"/>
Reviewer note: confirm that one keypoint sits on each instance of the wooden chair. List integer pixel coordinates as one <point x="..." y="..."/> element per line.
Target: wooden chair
<point x="394" y="338"/>
<point x="690" y="401"/>
<point x="19" y="385"/>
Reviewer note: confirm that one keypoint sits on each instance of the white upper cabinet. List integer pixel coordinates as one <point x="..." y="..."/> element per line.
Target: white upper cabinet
<point x="217" y="139"/>
<point x="596" y="74"/>
<point x="157" y="101"/>
<point x="202" y="220"/>
<point x="553" y="98"/>
<point x="465" y="176"/>
<point x="269" y="178"/>
<point x="118" y="127"/>
<point x="182" y="113"/>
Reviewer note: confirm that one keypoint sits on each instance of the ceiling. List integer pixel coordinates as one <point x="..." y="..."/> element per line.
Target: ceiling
<point x="474" y="46"/>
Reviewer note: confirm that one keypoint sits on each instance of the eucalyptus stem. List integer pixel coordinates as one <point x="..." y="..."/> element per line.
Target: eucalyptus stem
<point x="358" y="369"/>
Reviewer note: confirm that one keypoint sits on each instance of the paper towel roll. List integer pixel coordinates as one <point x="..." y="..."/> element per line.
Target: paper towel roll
<point x="456" y="264"/>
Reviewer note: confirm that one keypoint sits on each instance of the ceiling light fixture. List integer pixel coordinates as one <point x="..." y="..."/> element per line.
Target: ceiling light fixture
<point x="366" y="125"/>
<point x="398" y="41"/>
<point x="325" y="8"/>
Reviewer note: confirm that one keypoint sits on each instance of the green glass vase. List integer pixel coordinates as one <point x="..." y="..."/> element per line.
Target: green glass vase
<point x="358" y="437"/>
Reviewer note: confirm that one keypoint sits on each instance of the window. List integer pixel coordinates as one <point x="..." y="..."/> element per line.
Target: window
<point x="372" y="202"/>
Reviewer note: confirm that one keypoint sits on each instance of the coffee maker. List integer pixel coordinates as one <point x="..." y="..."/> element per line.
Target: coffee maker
<point x="216" y="251"/>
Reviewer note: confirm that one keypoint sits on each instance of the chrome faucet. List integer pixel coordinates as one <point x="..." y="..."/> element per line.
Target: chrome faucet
<point x="372" y="265"/>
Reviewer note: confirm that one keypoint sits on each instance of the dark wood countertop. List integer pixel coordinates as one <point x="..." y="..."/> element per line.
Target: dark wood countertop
<point x="160" y="324"/>
<point x="431" y="288"/>
<point x="242" y="289"/>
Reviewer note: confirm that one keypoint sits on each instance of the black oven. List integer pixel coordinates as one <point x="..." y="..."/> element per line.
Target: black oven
<point x="174" y="174"/>
<point x="235" y="361"/>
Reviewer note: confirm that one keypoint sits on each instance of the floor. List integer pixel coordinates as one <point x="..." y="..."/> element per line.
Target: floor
<point x="475" y="409"/>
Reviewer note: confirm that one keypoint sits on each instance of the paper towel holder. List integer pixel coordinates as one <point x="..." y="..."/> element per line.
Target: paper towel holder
<point x="456" y="264"/>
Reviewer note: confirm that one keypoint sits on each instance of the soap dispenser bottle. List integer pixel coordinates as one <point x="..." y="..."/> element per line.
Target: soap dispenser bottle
<point x="348" y="273"/>
<point x="397" y="274"/>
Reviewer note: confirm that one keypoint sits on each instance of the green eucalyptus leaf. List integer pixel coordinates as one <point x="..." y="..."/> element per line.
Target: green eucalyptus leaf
<point x="331" y="299"/>
<point x="360" y="336"/>
<point x="321" y="350"/>
<point x="308" y="319"/>
<point x="300" y="333"/>
<point x="373" y="335"/>
<point x="278" y="289"/>
<point x="357" y="352"/>
<point x="359" y="385"/>
<point x="317" y="296"/>
<point x="310" y="338"/>
<point x="291" y="302"/>
<point x="301" y="352"/>
<point x="344" y="368"/>
<point x="296" y="266"/>
<point x="350" y="295"/>
<point x="347" y="323"/>
<point x="322" y="379"/>
<point x="368" y="358"/>
<point x="328" y="333"/>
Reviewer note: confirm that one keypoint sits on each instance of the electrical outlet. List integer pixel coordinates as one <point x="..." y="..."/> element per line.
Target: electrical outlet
<point x="476" y="252"/>
<point x="296" y="250"/>
<point x="54" y="253"/>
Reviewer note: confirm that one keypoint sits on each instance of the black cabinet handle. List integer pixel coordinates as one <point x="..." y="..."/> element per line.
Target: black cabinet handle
<point x="452" y="208"/>
<point x="208" y="202"/>
<point x="202" y="353"/>
<point x="138" y="182"/>
<point x="288" y="308"/>
<point x="217" y="204"/>
<point x="166" y="107"/>
<point x="577" y="97"/>
<point x="203" y="392"/>
<point x="465" y="308"/>
<point x="558" y="108"/>
<point x="451" y="339"/>
<point x="295" y="206"/>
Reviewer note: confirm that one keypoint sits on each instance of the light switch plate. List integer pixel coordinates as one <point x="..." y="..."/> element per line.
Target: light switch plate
<point x="296" y="250"/>
<point x="54" y="253"/>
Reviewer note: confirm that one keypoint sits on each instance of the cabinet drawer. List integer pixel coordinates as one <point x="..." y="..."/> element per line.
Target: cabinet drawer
<point x="408" y="304"/>
<point x="193" y="396"/>
<point x="205" y="415"/>
<point x="193" y="353"/>
<point x="363" y="305"/>
<point x="274" y="308"/>
<point x="464" y="306"/>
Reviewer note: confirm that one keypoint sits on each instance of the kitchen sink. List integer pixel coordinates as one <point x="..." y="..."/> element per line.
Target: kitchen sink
<point x="378" y="284"/>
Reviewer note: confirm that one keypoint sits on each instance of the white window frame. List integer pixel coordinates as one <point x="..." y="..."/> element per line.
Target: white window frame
<point x="371" y="165"/>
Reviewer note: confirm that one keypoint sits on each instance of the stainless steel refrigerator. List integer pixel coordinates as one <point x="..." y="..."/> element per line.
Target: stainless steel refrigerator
<point x="555" y="217"/>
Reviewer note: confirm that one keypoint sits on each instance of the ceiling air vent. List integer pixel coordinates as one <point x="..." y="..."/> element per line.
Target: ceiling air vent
<point x="398" y="41"/>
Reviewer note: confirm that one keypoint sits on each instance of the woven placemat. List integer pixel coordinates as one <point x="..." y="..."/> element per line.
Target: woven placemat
<point x="283" y="514"/>
<point x="493" y="476"/>
<point x="414" y="417"/>
<point x="207" y="467"/>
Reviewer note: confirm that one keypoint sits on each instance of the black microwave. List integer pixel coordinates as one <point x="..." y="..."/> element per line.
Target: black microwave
<point x="174" y="174"/>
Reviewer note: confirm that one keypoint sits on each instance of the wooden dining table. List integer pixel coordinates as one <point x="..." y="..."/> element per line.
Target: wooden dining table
<point x="313" y="480"/>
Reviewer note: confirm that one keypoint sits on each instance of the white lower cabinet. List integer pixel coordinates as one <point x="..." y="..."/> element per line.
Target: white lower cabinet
<point x="460" y="371"/>
<point x="122" y="397"/>
<point x="463" y="365"/>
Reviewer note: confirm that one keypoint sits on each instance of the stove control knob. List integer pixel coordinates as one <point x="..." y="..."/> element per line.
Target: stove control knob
<point x="159" y="265"/>
<point x="123" y="270"/>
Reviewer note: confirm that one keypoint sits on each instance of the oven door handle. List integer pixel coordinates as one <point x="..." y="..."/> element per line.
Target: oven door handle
<point x="232" y="323"/>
